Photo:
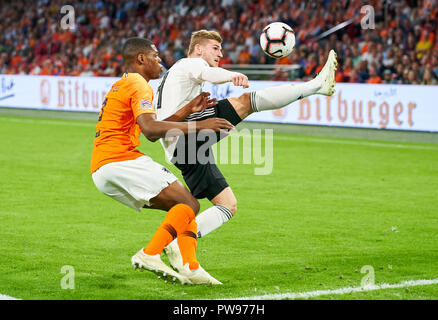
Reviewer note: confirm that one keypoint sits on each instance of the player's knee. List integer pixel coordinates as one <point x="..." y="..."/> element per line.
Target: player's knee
<point x="245" y="97"/>
<point x="232" y="206"/>
<point x="241" y="101"/>
<point x="227" y="199"/>
<point x="190" y="201"/>
<point x="242" y="105"/>
<point x="194" y="204"/>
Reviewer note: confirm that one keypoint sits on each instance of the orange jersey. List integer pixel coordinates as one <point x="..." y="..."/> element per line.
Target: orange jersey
<point x="117" y="131"/>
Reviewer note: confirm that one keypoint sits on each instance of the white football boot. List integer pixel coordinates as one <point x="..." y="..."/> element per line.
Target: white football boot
<point x="174" y="255"/>
<point x="327" y="75"/>
<point x="154" y="263"/>
<point x="198" y="276"/>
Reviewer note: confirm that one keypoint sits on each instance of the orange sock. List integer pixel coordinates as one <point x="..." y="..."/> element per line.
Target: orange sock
<point x="187" y="245"/>
<point x="176" y="221"/>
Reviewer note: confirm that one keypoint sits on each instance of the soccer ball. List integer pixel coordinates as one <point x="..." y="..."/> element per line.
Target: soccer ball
<point x="277" y="40"/>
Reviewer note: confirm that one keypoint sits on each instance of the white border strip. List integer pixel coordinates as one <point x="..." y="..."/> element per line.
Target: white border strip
<point x="353" y="141"/>
<point x="5" y="297"/>
<point x="51" y="121"/>
<point x="360" y="141"/>
<point x="281" y="136"/>
<point x="311" y="294"/>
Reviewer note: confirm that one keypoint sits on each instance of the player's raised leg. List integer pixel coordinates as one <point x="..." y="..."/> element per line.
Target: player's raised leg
<point x="279" y="96"/>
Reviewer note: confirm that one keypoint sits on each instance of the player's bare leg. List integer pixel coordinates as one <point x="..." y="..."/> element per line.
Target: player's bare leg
<point x="227" y="199"/>
<point x="242" y="105"/>
<point x="175" y="193"/>
<point x="279" y="96"/>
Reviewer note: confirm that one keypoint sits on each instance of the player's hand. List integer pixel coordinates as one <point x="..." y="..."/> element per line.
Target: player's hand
<point x="215" y="124"/>
<point x="240" y="80"/>
<point x="201" y="102"/>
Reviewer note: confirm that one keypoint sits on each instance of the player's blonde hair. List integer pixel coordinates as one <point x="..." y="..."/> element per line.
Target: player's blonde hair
<point x="200" y="36"/>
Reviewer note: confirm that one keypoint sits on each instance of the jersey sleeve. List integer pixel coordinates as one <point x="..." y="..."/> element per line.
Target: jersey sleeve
<point x="195" y="67"/>
<point x="141" y="98"/>
<point x="217" y="75"/>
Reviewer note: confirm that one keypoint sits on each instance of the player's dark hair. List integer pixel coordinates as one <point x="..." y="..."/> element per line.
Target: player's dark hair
<point x="134" y="46"/>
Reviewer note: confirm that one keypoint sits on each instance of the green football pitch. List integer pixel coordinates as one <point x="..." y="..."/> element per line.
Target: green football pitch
<point x="341" y="207"/>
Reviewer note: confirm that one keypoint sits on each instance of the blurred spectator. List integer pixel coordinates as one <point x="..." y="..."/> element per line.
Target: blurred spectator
<point x="244" y="56"/>
<point x="429" y="78"/>
<point x="347" y="68"/>
<point x="362" y="68"/>
<point x="354" y="76"/>
<point x="373" y="76"/>
<point x="387" y="76"/>
<point x="311" y="65"/>
<point x="280" y="74"/>
<point x="425" y="43"/>
<point x="412" y="77"/>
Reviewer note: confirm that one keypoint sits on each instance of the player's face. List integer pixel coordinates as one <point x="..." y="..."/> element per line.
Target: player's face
<point x="211" y="52"/>
<point x="153" y="65"/>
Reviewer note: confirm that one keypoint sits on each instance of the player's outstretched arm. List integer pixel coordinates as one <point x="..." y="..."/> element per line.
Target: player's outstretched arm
<point x="219" y="75"/>
<point x="201" y="102"/>
<point x="240" y="80"/>
<point x="154" y="129"/>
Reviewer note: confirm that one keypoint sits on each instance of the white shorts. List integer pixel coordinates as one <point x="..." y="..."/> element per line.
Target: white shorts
<point x="133" y="182"/>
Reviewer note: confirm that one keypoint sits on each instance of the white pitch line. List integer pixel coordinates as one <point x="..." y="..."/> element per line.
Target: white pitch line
<point x="311" y="294"/>
<point x="5" y="297"/>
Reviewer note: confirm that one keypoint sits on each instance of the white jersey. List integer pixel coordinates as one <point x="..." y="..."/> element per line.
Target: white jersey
<point x="181" y="84"/>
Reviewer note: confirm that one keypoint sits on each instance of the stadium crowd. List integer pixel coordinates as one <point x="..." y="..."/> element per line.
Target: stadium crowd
<point x="401" y="47"/>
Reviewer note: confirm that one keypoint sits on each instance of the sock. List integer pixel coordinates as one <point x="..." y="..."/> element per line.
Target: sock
<point x="187" y="245"/>
<point x="176" y="222"/>
<point x="211" y="219"/>
<point x="280" y="96"/>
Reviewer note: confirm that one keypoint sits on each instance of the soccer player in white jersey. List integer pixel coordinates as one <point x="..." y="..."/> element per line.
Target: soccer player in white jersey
<point x="181" y="84"/>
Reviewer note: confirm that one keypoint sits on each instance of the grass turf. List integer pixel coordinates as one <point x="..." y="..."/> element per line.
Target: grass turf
<point x="330" y="206"/>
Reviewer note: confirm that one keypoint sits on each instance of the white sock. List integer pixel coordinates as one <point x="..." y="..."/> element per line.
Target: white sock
<point x="280" y="96"/>
<point x="211" y="219"/>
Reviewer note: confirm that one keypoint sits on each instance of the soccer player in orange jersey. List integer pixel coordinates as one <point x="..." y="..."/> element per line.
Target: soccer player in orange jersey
<point x="122" y="172"/>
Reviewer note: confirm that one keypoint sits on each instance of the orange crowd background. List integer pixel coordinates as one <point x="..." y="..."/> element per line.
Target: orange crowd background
<point x="401" y="48"/>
